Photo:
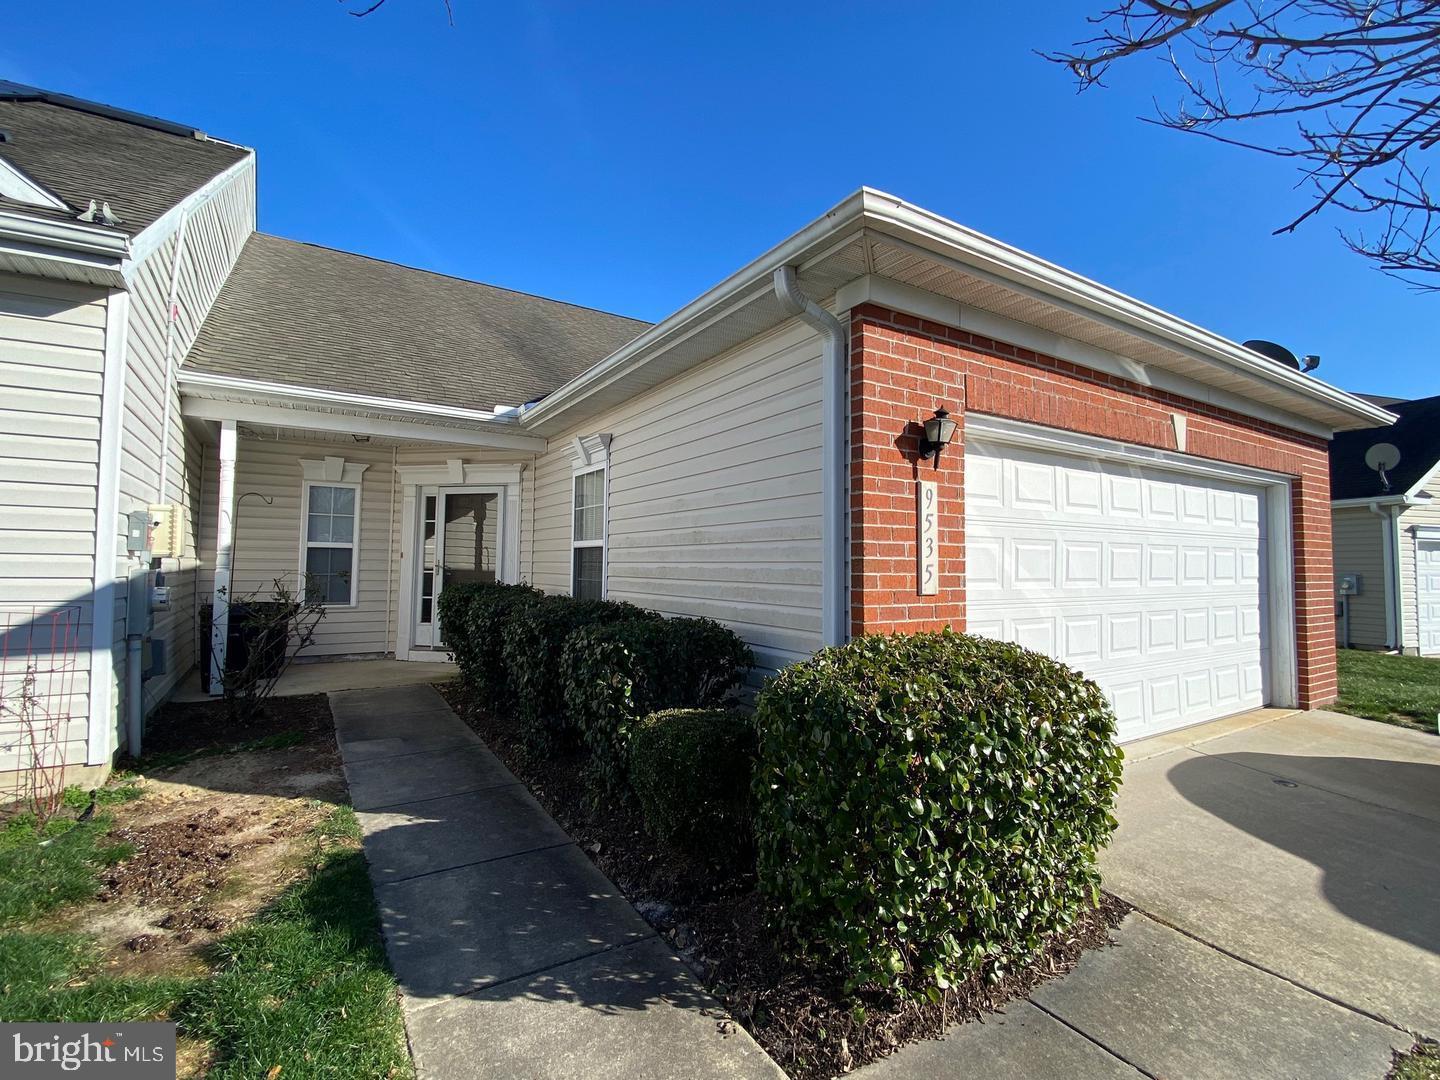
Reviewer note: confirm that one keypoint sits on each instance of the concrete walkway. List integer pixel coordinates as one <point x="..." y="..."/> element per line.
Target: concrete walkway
<point x="515" y="956"/>
<point x="1285" y="868"/>
<point x="328" y="676"/>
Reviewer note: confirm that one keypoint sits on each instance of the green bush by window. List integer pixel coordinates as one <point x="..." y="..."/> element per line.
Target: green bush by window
<point x="615" y="673"/>
<point x="928" y="805"/>
<point x="475" y="619"/>
<point x="534" y="639"/>
<point x="692" y="771"/>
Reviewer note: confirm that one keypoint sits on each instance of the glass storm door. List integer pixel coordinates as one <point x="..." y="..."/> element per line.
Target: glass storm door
<point x="460" y="535"/>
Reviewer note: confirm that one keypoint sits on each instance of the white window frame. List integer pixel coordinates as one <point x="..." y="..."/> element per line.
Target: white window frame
<point x="601" y="543"/>
<point x="306" y="543"/>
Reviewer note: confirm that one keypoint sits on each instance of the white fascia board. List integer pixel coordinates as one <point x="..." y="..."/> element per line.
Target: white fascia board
<point x="930" y="235"/>
<point x="1418" y="488"/>
<point x="899" y="296"/>
<point x="153" y="235"/>
<point x="478" y="434"/>
<point x="16" y="184"/>
<point x="893" y="216"/>
<point x="1396" y="500"/>
<point x="64" y="236"/>
<point x="309" y="395"/>
<point x="735" y="291"/>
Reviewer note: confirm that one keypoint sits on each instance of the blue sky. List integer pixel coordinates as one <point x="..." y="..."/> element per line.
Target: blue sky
<point x="628" y="156"/>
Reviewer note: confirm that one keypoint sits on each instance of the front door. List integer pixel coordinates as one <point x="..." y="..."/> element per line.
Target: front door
<point x="461" y="533"/>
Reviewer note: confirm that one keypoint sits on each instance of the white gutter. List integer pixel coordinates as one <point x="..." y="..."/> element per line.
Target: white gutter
<point x="63" y="235"/>
<point x="833" y="374"/>
<point x="1382" y="500"/>
<point x="886" y="212"/>
<point x="935" y="237"/>
<point x="308" y="395"/>
<point x="739" y="288"/>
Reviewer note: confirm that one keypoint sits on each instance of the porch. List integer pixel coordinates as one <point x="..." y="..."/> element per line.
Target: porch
<point x="333" y="676"/>
<point x="372" y="510"/>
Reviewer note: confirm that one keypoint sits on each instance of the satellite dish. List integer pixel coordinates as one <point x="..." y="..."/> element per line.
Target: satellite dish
<point x="1272" y="351"/>
<point x="1382" y="457"/>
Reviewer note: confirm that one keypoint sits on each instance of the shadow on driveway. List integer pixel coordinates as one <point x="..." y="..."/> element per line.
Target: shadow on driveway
<point x="1372" y="872"/>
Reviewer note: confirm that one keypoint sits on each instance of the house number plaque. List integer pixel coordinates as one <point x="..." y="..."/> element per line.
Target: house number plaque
<point x="927" y="538"/>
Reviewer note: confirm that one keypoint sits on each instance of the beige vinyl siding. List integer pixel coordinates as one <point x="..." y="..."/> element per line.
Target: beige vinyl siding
<point x="215" y="233"/>
<point x="1416" y="517"/>
<point x="1359" y="541"/>
<point x="52" y="347"/>
<point x="268" y="536"/>
<point x="714" y="504"/>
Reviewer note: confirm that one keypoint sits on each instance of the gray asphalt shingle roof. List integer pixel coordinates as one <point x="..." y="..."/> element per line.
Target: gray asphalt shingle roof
<point x="315" y="317"/>
<point x="1416" y="435"/>
<point x="82" y="151"/>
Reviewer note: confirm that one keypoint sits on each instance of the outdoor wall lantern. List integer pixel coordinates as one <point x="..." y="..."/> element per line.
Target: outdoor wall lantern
<point x="939" y="430"/>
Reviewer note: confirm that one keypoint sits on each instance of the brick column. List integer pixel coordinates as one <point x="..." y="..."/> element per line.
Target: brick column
<point x="896" y="383"/>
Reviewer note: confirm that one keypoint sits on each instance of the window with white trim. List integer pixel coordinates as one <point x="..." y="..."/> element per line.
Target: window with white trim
<point x="587" y="538"/>
<point x="329" y="559"/>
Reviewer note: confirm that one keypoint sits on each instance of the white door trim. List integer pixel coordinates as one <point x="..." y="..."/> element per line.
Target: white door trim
<point x="1284" y="668"/>
<point x="502" y="479"/>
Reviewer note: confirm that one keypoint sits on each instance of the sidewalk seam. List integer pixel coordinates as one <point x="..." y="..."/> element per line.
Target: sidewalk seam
<point x="458" y="743"/>
<point x="1312" y="991"/>
<point x="436" y="798"/>
<point x="1091" y="1039"/>
<point x="432" y="1002"/>
<point x="477" y="862"/>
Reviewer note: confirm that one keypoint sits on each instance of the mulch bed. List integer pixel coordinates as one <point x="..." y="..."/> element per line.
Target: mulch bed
<point x="183" y="727"/>
<point x="717" y="922"/>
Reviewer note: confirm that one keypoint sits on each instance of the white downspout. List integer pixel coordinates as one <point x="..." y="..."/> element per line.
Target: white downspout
<point x="833" y="372"/>
<point x="224" y="556"/>
<point x="1390" y="547"/>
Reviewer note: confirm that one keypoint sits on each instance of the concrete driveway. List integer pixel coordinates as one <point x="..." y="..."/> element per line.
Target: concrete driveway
<point x="1285" y="869"/>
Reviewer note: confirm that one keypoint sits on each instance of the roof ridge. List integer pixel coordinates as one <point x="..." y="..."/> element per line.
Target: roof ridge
<point x="452" y="277"/>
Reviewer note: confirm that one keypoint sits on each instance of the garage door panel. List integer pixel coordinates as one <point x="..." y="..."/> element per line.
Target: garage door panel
<point x="1427" y="573"/>
<point x="1150" y="582"/>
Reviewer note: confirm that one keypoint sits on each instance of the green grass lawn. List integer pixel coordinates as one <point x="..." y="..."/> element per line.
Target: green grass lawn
<point x="1400" y="690"/>
<point x="1421" y="1063"/>
<point x="302" y="990"/>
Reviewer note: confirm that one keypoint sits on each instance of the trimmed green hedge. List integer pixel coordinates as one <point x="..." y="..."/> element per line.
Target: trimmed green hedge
<point x="476" y="619"/>
<point x="932" y="804"/>
<point x="692" y="771"/>
<point x="615" y="673"/>
<point x="534" y="639"/>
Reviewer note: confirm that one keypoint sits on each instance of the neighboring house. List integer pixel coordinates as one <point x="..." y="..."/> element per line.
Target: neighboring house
<point x="1387" y="533"/>
<point x="1125" y="490"/>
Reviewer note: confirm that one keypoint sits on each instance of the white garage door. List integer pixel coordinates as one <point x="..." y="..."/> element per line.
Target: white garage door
<point x="1427" y="566"/>
<point x="1151" y="582"/>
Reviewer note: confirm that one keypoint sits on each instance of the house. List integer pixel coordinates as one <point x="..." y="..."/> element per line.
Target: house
<point x="1387" y="531"/>
<point x="1123" y="489"/>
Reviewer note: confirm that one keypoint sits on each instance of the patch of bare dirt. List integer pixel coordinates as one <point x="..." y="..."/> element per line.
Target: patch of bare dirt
<point x="214" y="840"/>
<point x="718" y="923"/>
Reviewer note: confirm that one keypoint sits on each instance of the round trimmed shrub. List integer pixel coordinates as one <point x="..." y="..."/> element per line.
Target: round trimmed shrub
<point x="930" y="805"/>
<point x="616" y="673"/>
<point x="692" y="770"/>
<point x="534" y="639"/>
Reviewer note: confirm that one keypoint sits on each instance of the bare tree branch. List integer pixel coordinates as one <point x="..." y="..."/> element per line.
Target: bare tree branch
<point x="376" y="5"/>
<point x="1359" y="79"/>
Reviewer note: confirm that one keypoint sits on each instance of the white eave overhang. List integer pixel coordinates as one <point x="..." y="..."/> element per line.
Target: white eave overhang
<point x="63" y="250"/>
<point x="875" y="235"/>
<point x="207" y="396"/>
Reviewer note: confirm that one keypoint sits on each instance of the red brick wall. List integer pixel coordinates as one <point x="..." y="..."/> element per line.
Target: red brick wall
<point x="902" y="368"/>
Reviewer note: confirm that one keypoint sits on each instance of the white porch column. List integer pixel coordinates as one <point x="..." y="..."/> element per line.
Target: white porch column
<point x="224" y="553"/>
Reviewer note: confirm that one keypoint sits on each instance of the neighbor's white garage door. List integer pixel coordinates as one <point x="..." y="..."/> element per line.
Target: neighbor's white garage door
<point x="1151" y="582"/>
<point x="1427" y="564"/>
